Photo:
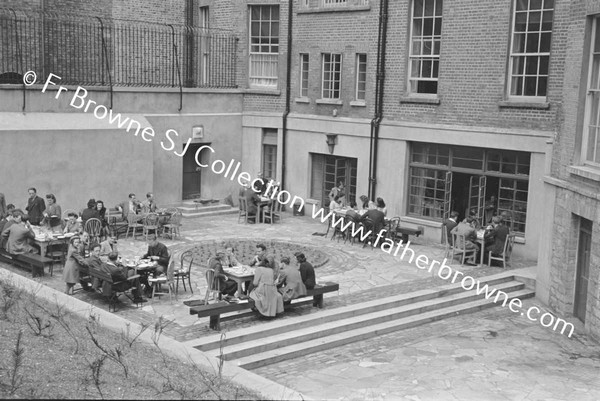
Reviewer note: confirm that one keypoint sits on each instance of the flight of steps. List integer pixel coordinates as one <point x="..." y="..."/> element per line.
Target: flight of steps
<point x="283" y="339"/>
<point x="189" y="209"/>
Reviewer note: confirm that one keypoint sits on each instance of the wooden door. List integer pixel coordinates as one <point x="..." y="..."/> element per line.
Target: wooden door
<point x="192" y="173"/>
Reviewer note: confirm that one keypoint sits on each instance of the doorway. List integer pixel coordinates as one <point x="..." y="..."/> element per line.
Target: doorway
<point x="192" y="173"/>
<point x="328" y="171"/>
<point x="583" y="268"/>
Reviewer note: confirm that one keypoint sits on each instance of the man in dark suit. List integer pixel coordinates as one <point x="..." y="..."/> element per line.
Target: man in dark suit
<point x="35" y="207"/>
<point x="377" y="219"/>
<point x="449" y="224"/>
<point x="252" y="201"/>
<point x="496" y="237"/>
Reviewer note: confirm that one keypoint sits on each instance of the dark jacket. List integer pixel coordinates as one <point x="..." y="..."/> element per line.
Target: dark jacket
<point x="377" y="217"/>
<point x="307" y="272"/>
<point x="252" y="200"/>
<point x="89" y="214"/>
<point x="161" y="251"/>
<point x="35" y="209"/>
<point x="449" y="224"/>
<point x="497" y="237"/>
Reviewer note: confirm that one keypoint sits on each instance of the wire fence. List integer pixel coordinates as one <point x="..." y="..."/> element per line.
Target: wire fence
<point x="94" y="51"/>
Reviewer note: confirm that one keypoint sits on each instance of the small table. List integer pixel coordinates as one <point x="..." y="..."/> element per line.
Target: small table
<point x="42" y="240"/>
<point x="240" y="275"/>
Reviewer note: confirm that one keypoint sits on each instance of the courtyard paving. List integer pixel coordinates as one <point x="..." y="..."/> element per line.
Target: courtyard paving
<point x="493" y="354"/>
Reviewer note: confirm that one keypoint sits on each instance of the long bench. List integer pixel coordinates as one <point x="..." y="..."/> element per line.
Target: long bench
<point x="214" y="311"/>
<point x="406" y="231"/>
<point x="107" y="281"/>
<point x="31" y="261"/>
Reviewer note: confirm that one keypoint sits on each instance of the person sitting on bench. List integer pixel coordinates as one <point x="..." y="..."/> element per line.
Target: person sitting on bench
<point x="267" y="300"/>
<point x="226" y="285"/>
<point x="18" y="234"/>
<point x="119" y="275"/>
<point x="307" y="271"/>
<point x="290" y="283"/>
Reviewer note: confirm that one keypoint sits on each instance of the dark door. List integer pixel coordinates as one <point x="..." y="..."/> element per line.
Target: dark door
<point x="192" y="173"/>
<point x="583" y="268"/>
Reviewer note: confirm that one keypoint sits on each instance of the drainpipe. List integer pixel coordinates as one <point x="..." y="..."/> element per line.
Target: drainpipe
<point x="288" y="84"/>
<point x="379" y="85"/>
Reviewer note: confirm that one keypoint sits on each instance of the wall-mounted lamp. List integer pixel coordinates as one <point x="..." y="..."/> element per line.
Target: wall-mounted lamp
<point x="198" y="132"/>
<point x="331" y="142"/>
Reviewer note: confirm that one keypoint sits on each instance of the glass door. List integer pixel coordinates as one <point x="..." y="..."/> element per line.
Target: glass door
<point x="477" y="196"/>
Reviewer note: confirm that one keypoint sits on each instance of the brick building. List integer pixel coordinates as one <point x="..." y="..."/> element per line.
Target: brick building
<point x="432" y="105"/>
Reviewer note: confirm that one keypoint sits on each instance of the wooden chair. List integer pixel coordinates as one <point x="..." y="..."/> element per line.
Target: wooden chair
<point x="185" y="271"/>
<point x="446" y="242"/>
<point x="150" y="223"/>
<point x="173" y="225"/>
<point x="93" y="227"/>
<point x="337" y="230"/>
<point x="168" y="280"/>
<point x="57" y="251"/>
<point x="132" y="224"/>
<point x="351" y="228"/>
<point x="459" y="248"/>
<point x="393" y="225"/>
<point x="212" y="287"/>
<point x="244" y="212"/>
<point x="272" y="212"/>
<point x="506" y="253"/>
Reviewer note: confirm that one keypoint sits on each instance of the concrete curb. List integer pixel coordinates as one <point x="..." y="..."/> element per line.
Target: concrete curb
<point x="264" y="387"/>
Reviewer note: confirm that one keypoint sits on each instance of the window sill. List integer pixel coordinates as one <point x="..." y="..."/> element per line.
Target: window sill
<point x="313" y="10"/>
<point x="585" y="171"/>
<point x="358" y="103"/>
<point x="515" y="104"/>
<point x="420" y="100"/>
<point x="337" y="102"/>
<point x="269" y="92"/>
<point x="302" y="100"/>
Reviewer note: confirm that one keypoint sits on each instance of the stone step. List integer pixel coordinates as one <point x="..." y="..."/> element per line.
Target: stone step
<point x="311" y="332"/>
<point x="190" y="211"/>
<point x="363" y="333"/>
<point x="327" y="315"/>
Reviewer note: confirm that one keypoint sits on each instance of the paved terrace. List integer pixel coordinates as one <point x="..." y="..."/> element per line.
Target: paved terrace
<point x="492" y="354"/>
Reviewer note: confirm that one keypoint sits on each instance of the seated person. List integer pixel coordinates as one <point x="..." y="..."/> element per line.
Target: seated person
<point x="17" y="235"/>
<point x="6" y="222"/>
<point x="352" y="213"/>
<point x="307" y="271"/>
<point x="91" y="212"/>
<point x="496" y="237"/>
<point x="376" y="218"/>
<point x="226" y="286"/>
<point x="72" y="225"/>
<point x="290" y="283"/>
<point x="108" y="246"/>
<point x="230" y="259"/>
<point x="120" y="274"/>
<point x="449" y="224"/>
<point x="261" y="254"/>
<point x="149" y="205"/>
<point x="252" y="201"/>
<point x="469" y="241"/>
<point x="131" y="206"/>
<point x="157" y="252"/>
<point x="267" y="300"/>
<point x="381" y="206"/>
<point x="335" y="204"/>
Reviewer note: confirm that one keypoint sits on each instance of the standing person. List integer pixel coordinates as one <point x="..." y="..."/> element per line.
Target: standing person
<point x="449" y="224"/>
<point x="336" y="191"/>
<point x="18" y="234"/>
<point x="35" y="207"/>
<point x="267" y="300"/>
<point x="158" y="252"/>
<point x="490" y="210"/>
<point x="307" y="271"/>
<point x="73" y="262"/>
<point x="53" y="214"/>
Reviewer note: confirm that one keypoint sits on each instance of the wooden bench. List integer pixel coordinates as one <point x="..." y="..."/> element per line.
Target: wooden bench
<point x="214" y="311"/>
<point x="31" y="261"/>
<point x="107" y="280"/>
<point x="406" y="231"/>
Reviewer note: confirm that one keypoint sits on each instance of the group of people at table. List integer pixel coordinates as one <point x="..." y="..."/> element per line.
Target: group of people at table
<point x="492" y="237"/>
<point x="273" y="284"/>
<point x="18" y="230"/>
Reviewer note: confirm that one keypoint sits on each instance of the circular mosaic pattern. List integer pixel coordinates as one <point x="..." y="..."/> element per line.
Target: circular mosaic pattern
<point x="245" y="249"/>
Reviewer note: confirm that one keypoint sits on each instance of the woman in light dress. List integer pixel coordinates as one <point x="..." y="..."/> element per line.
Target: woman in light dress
<point x="267" y="300"/>
<point x="73" y="261"/>
<point x="290" y="281"/>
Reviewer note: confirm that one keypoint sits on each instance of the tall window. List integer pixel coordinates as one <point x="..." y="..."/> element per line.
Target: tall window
<point x="332" y="75"/>
<point x="269" y="156"/>
<point x="264" y="46"/>
<point x="204" y="44"/>
<point x="530" y="51"/>
<point x="304" y="75"/>
<point x="426" y="36"/>
<point x="591" y="134"/>
<point x="361" y="76"/>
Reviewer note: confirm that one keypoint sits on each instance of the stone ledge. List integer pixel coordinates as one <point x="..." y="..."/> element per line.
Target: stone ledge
<point x="585" y="171"/>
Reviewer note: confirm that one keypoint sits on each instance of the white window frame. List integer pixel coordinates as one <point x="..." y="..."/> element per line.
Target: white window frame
<point x="204" y="18"/>
<point x="593" y="96"/>
<point x="420" y="56"/>
<point x="263" y="66"/>
<point x="304" y="69"/>
<point x="358" y="81"/>
<point x="334" y="3"/>
<point x="328" y="86"/>
<point x="521" y="70"/>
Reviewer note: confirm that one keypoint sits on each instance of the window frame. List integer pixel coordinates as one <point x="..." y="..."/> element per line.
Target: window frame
<point x="274" y="78"/>
<point x="512" y="55"/>
<point x="357" y="81"/>
<point x="303" y="83"/>
<point x="332" y="72"/>
<point x="589" y="100"/>
<point x="422" y="57"/>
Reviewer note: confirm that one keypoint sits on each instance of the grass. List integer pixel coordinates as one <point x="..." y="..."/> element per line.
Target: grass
<point x="47" y="352"/>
